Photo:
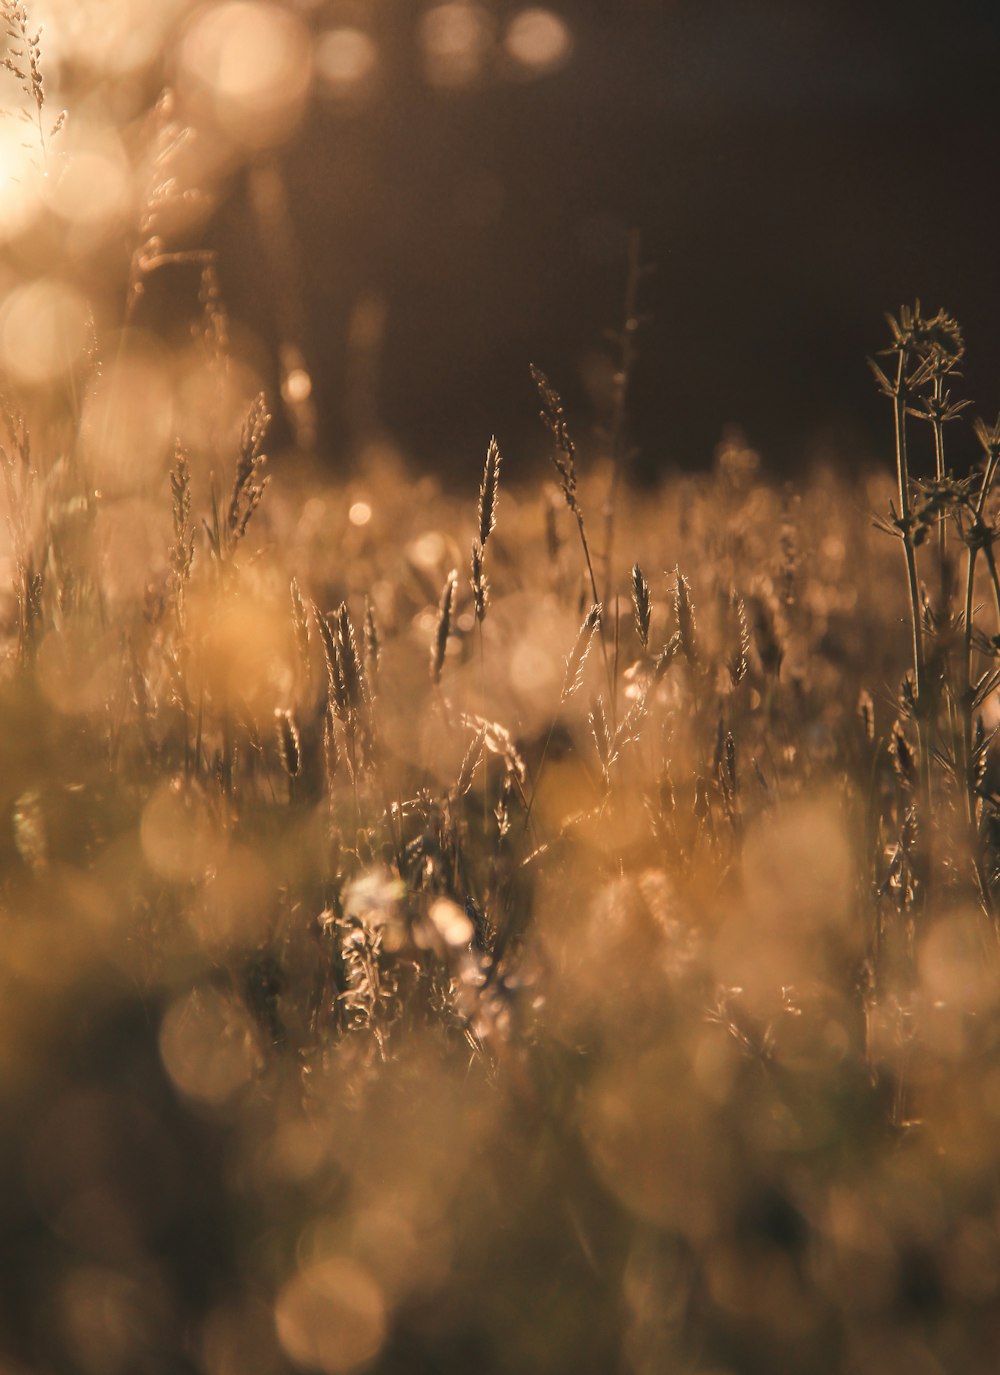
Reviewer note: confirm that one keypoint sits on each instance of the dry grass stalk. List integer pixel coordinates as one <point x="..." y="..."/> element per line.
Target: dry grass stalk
<point x="740" y="660"/>
<point x="471" y="761"/>
<point x="249" y="485"/>
<point x="564" y="453"/>
<point x="489" y="492"/>
<point x="576" y="660"/>
<point x="446" y="609"/>
<point x="351" y="671"/>
<point x="641" y="605"/>
<point x="289" y="742"/>
<point x="24" y="62"/>
<point x="300" y="624"/>
<point x="478" y="582"/>
<point x="163" y="194"/>
<point x="182" y="549"/>
<point x="684" y="613"/>
<point x="373" y="649"/>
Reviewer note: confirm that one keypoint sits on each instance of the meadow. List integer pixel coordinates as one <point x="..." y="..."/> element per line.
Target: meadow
<point x="503" y="926"/>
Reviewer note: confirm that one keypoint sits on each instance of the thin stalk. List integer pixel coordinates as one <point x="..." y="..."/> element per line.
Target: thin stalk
<point x="991" y="564"/>
<point x="937" y="425"/>
<point x="965" y="699"/>
<point x="535" y="781"/>
<point x="984" y="494"/>
<point x="609" y="672"/>
<point x="910" y="557"/>
<point x="905" y="516"/>
<point x="482" y="688"/>
<point x="623" y="380"/>
<point x="986" y="544"/>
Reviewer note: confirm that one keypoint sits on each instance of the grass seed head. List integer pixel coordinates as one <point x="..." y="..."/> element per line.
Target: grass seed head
<point x="373" y="647"/>
<point x="684" y="612"/>
<point x="904" y="758"/>
<point x="740" y="660"/>
<point x="489" y="493"/>
<point x="446" y="610"/>
<point x="289" y="742"/>
<point x="478" y="581"/>
<point x="351" y="671"/>
<point x="641" y="605"/>
<point x="866" y="715"/>
<point x="554" y="418"/>
<point x="471" y="761"/>
<point x="577" y="660"/>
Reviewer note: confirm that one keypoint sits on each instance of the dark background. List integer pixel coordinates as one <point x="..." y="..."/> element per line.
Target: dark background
<point x="796" y="168"/>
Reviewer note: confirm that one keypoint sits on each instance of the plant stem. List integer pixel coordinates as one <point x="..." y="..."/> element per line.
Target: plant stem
<point x="966" y="758"/>
<point x="600" y="630"/>
<point x="910" y="556"/>
<point x="937" y="425"/>
<point x="622" y="382"/>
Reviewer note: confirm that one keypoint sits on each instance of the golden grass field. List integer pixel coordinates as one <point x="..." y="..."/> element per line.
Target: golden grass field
<point x="476" y="926"/>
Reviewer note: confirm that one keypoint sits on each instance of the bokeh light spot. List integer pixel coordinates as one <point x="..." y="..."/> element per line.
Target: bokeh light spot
<point x="93" y="191"/>
<point x="450" y="922"/>
<point x="43" y="330"/>
<point x="106" y="1317"/>
<point x="360" y="513"/>
<point x="331" y="1317"/>
<point x="297" y="386"/>
<point x="456" y="38"/>
<point x="206" y="1043"/>
<point x="345" y="58"/>
<point x="76" y="670"/>
<point x="538" y="41"/>
<point x="244" y="648"/>
<point x="114" y="36"/>
<point x="179" y="837"/>
<point x="128" y="418"/>
<point x="253" y="61"/>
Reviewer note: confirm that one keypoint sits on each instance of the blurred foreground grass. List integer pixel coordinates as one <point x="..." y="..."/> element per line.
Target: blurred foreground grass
<point x="516" y="1011"/>
<point x="556" y="933"/>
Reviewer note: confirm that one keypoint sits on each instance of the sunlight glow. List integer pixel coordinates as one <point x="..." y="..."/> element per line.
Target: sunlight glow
<point x="21" y="181"/>
<point x="115" y="36"/>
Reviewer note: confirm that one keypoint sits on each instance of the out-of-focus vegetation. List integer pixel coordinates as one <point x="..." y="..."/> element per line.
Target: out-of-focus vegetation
<point x="546" y="928"/>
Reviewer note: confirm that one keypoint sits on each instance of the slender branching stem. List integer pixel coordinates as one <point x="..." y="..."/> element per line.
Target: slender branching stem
<point x="906" y="521"/>
<point x="921" y="685"/>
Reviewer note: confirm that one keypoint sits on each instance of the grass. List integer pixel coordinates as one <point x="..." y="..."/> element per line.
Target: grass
<point x="591" y="966"/>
